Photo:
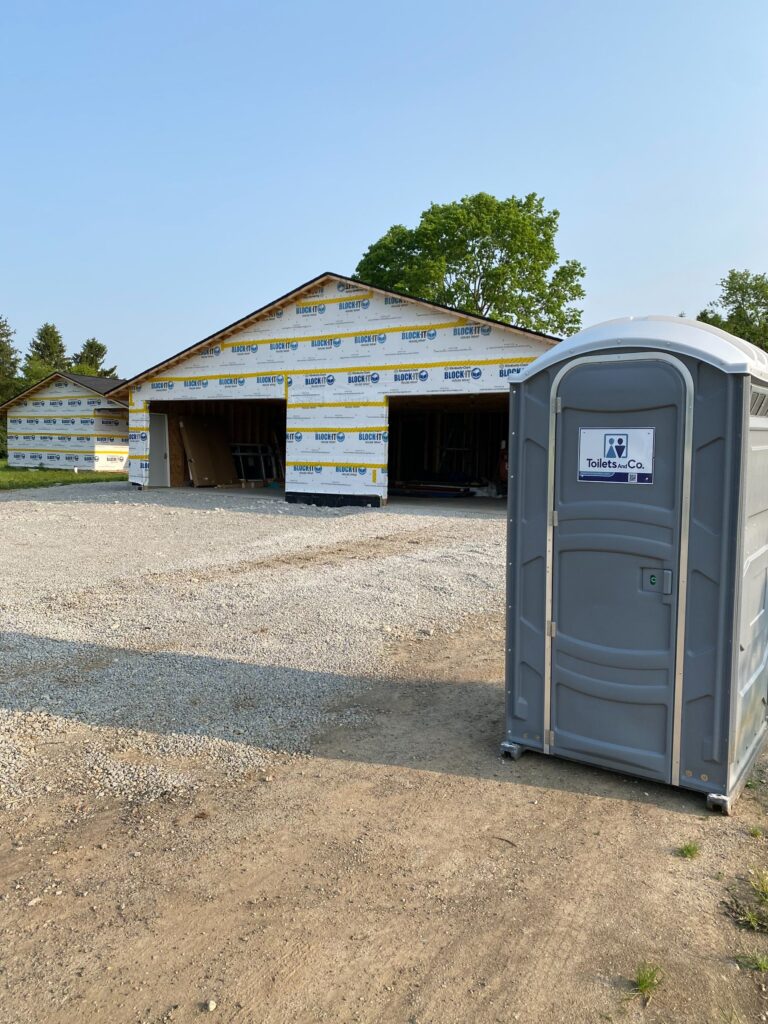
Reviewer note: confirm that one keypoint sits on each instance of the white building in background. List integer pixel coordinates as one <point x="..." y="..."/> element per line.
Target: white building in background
<point x="66" y="422"/>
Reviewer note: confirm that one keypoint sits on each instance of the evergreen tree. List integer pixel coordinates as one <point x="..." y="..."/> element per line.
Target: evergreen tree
<point x="47" y="348"/>
<point x="90" y="360"/>
<point x="45" y="355"/>
<point x="33" y="370"/>
<point x="9" y="370"/>
<point x="9" y="361"/>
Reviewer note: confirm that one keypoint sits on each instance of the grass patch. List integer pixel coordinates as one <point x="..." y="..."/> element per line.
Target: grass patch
<point x="754" y="961"/>
<point x="759" y="883"/>
<point x="14" y="478"/>
<point x="688" y="851"/>
<point x="748" y="902"/>
<point x="731" y="1017"/>
<point x="750" y="918"/>
<point x="646" y="981"/>
<point x="756" y="832"/>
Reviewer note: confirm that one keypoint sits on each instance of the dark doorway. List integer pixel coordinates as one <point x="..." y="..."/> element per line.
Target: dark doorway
<point x="452" y="446"/>
<point x="247" y="425"/>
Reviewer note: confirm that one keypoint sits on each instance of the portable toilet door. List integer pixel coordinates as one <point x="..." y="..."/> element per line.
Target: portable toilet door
<point x="616" y="655"/>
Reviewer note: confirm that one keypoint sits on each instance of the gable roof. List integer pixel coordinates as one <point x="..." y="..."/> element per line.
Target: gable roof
<point x="246" y="321"/>
<point x="99" y="385"/>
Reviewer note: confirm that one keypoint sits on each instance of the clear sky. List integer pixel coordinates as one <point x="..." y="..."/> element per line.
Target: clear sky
<point x="170" y="166"/>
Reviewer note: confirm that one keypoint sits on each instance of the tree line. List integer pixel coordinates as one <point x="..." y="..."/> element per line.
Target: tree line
<point x="45" y="354"/>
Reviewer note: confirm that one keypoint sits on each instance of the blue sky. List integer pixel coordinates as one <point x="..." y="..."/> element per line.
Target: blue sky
<point x="170" y="166"/>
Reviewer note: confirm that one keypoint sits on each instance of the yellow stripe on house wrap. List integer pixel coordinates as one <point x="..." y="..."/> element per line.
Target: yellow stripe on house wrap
<point x="332" y="465"/>
<point x="335" y="405"/>
<point x="371" y="329"/>
<point x="344" y="428"/>
<point x="318" y="300"/>
<point x="325" y="370"/>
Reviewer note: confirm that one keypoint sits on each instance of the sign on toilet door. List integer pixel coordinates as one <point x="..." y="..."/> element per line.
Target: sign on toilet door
<point x="620" y="455"/>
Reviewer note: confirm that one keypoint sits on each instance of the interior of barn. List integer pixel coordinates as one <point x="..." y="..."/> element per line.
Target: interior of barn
<point x="451" y="446"/>
<point x="219" y="443"/>
<point x="440" y="447"/>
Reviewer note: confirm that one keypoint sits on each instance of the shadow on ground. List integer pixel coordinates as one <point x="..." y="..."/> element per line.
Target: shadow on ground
<point x="438" y="726"/>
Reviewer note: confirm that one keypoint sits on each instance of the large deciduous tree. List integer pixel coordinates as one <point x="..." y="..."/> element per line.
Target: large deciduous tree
<point x="742" y="307"/>
<point x="493" y="257"/>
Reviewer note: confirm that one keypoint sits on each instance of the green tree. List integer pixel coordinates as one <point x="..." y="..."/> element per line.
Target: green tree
<point x="9" y="370"/>
<point x="34" y="369"/>
<point x="90" y="360"/>
<point x="46" y="354"/>
<point x="9" y="361"/>
<point x="493" y="257"/>
<point x="47" y="347"/>
<point x="742" y="307"/>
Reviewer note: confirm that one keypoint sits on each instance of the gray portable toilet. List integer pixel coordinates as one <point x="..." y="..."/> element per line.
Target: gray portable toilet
<point x="637" y="618"/>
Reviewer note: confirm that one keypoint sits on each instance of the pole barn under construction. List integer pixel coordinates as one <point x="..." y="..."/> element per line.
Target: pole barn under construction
<point x="344" y="393"/>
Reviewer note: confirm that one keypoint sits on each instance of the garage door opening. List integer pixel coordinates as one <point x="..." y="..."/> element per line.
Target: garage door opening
<point x="221" y="443"/>
<point x="452" y="447"/>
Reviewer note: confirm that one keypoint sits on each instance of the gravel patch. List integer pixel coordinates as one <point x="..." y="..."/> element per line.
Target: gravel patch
<point x="142" y="782"/>
<point x="168" y="632"/>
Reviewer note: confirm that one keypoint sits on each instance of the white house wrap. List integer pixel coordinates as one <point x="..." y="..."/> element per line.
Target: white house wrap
<point x="336" y="351"/>
<point x="66" y="422"/>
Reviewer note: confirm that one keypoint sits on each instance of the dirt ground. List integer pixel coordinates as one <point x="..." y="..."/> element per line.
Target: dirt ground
<point x="402" y="872"/>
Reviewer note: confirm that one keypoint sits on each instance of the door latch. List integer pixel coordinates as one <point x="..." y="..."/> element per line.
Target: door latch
<point x="657" y="581"/>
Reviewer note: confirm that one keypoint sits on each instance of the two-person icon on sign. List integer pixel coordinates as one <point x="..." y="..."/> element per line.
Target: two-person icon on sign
<point x="615" y="447"/>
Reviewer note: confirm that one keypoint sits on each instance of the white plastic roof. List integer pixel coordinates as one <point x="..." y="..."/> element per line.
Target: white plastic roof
<point x="666" y="333"/>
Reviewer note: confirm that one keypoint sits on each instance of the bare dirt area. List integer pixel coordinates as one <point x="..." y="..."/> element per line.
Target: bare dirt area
<point x="250" y="773"/>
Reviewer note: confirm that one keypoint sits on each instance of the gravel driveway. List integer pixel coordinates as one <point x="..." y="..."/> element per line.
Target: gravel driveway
<point x="159" y="627"/>
<point x="165" y="655"/>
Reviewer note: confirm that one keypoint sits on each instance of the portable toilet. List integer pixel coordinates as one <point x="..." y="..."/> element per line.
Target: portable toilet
<point x="637" y="626"/>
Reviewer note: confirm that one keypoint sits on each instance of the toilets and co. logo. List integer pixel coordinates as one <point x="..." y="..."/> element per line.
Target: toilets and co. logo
<point x="616" y="456"/>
